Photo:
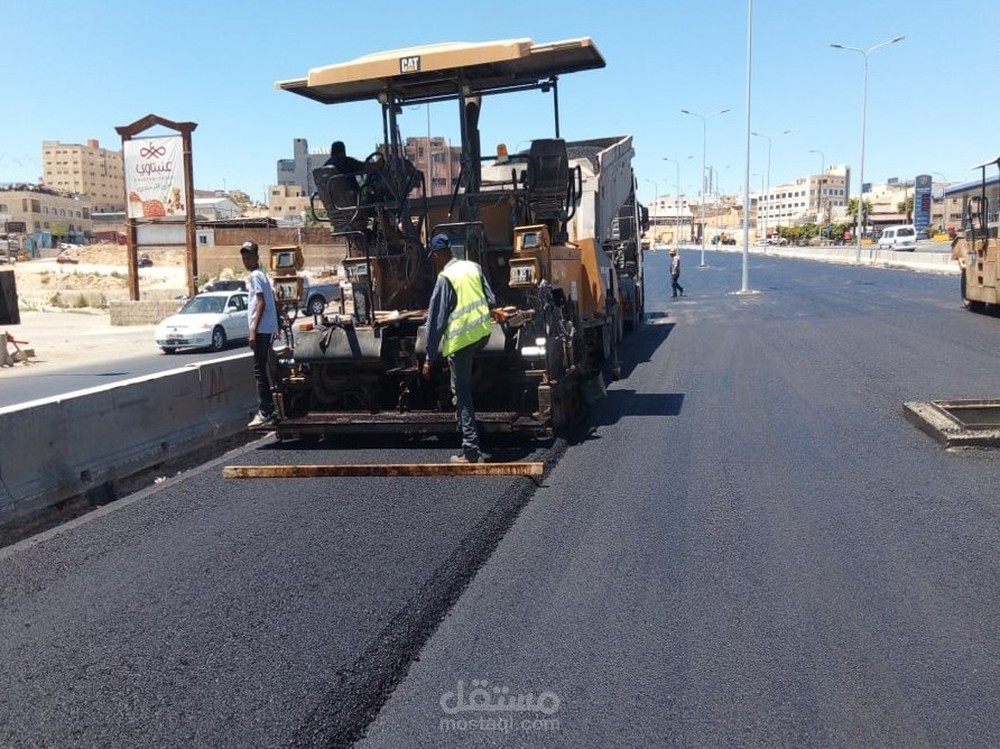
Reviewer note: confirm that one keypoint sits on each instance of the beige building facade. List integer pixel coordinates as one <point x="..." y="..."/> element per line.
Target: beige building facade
<point x="813" y="198"/>
<point x="48" y="215"/>
<point x="439" y="162"/>
<point x="288" y="203"/>
<point x="89" y="170"/>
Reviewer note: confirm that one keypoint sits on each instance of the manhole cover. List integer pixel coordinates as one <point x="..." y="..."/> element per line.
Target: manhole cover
<point x="958" y="423"/>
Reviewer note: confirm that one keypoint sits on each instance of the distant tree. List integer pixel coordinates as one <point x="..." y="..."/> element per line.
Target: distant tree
<point x="852" y="211"/>
<point x="241" y="199"/>
<point x="308" y="220"/>
<point x="906" y="207"/>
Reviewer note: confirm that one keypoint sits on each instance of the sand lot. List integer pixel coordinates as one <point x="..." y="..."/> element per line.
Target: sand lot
<point x="64" y="319"/>
<point x="62" y="338"/>
<point x="100" y="276"/>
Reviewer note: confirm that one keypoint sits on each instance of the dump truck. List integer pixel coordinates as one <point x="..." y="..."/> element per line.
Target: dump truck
<point x="554" y="227"/>
<point x="977" y="248"/>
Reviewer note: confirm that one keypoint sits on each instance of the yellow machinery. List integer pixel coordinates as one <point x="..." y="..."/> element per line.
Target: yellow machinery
<point x="547" y="224"/>
<point x="977" y="250"/>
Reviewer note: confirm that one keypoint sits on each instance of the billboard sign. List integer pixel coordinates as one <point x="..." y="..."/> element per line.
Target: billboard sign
<point x="922" y="202"/>
<point x="154" y="177"/>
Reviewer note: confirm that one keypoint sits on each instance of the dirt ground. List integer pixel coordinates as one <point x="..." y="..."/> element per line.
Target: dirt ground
<point x="62" y="338"/>
<point x="100" y="276"/>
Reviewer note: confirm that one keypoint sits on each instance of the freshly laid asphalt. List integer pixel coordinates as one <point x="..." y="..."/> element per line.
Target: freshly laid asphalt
<point x="746" y="545"/>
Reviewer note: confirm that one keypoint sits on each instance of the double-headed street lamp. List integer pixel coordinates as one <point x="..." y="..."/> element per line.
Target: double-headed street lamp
<point x="768" y="196"/>
<point x="819" y="190"/>
<point x="704" y="140"/>
<point x="864" y="112"/>
<point x="677" y="198"/>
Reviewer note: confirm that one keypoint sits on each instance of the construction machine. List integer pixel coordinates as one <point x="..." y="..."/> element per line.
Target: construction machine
<point x="554" y="226"/>
<point x="977" y="248"/>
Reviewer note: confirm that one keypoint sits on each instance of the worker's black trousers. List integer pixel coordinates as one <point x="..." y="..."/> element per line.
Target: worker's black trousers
<point x="261" y="350"/>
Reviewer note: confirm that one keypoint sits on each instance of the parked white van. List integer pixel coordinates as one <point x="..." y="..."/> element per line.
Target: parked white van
<point x="900" y="237"/>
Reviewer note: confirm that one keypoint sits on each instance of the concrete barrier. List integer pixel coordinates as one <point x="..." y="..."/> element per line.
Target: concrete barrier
<point x="63" y="447"/>
<point x="928" y="262"/>
<point x="228" y="393"/>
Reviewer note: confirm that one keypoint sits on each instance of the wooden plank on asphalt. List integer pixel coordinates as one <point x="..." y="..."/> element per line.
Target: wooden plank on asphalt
<point x="532" y="470"/>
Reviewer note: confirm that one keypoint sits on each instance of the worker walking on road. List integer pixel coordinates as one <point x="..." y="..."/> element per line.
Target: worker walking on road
<point x="675" y="272"/>
<point x="458" y="323"/>
<point x="262" y="315"/>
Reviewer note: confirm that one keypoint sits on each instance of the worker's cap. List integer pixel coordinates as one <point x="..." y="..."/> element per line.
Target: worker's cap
<point x="249" y="246"/>
<point x="438" y="243"/>
<point x="673" y="251"/>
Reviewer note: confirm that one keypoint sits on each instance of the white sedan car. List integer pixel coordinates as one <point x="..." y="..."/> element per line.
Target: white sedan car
<point x="209" y="320"/>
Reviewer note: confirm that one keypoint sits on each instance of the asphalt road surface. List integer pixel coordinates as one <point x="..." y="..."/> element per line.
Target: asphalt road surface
<point x="747" y="545"/>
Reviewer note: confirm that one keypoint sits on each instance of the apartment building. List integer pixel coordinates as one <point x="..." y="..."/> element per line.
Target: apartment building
<point x="440" y="163"/>
<point x="49" y="216"/>
<point x="89" y="170"/>
<point x="810" y="199"/>
<point x="287" y="203"/>
<point x="298" y="170"/>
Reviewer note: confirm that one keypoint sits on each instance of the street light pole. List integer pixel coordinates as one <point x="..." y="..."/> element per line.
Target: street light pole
<point x="819" y="190"/>
<point x="864" y="116"/>
<point x="704" y="141"/>
<point x="677" y="198"/>
<point x="656" y="187"/>
<point x="768" y="196"/>
<point x="745" y="288"/>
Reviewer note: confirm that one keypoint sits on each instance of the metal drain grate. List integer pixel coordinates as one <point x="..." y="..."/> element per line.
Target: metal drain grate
<point x="958" y="423"/>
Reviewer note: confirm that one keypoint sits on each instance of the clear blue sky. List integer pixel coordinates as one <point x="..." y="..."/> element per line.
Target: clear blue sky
<point x="77" y="70"/>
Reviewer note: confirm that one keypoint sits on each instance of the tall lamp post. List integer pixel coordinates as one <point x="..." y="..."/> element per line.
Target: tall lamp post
<point x="704" y="140"/>
<point x="819" y="190"/>
<point x="864" y="112"/>
<point x="745" y="288"/>
<point x="677" y="199"/>
<point x="767" y="197"/>
<point x="656" y="187"/>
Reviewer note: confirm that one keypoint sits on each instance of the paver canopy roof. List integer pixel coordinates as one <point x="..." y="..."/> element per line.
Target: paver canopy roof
<point x="437" y="70"/>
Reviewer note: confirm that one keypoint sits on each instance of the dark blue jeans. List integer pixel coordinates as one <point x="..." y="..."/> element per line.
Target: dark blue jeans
<point x="460" y="366"/>
<point x="261" y="351"/>
<point x="675" y="285"/>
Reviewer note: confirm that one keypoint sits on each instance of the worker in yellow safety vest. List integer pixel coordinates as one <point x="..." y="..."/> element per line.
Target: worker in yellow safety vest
<point x="458" y="325"/>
